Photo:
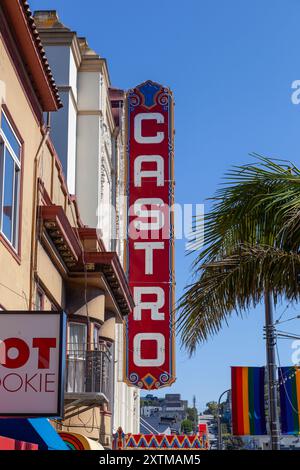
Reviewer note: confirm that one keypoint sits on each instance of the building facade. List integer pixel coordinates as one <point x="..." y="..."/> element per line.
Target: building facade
<point x="168" y="411"/>
<point x="50" y="258"/>
<point x="89" y="135"/>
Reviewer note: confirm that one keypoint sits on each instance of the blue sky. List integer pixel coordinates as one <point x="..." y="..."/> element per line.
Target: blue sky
<point x="231" y="65"/>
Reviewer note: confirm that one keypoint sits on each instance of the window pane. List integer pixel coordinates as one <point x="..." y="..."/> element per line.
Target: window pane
<point x="39" y="300"/>
<point x="96" y="336"/>
<point x="77" y="337"/>
<point x="10" y="136"/>
<point x="17" y="173"/>
<point x="8" y="195"/>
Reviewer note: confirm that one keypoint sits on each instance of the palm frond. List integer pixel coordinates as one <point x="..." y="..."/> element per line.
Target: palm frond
<point x="234" y="284"/>
<point x="254" y="224"/>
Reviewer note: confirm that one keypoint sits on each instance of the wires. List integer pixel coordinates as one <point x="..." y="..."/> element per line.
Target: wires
<point x="278" y="321"/>
<point x="286" y="335"/>
<point x="289" y="319"/>
<point x="285" y="310"/>
<point x="22" y="296"/>
<point x="61" y="424"/>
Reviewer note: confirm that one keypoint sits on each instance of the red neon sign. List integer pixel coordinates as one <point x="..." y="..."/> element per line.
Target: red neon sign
<point x="150" y="350"/>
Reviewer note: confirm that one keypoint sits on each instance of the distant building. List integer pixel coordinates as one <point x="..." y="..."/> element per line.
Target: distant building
<point x="209" y="422"/>
<point x="147" y="411"/>
<point x="150" y="398"/>
<point x="169" y="411"/>
<point x="174" y="407"/>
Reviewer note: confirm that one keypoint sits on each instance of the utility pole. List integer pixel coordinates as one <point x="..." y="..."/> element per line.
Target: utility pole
<point x="195" y="414"/>
<point x="272" y="373"/>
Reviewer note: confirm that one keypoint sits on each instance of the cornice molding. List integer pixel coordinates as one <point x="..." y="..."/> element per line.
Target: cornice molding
<point x="62" y="38"/>
<point x="91" y="64"/>
<point x="90" y="112"/>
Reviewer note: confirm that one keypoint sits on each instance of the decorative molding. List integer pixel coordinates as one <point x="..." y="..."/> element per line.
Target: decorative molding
<point x="61" y="38"/>
<point x="61" y="233"/>
<point x="105" y="164"/>
<point x="108" y="263"/>
<point x="94" y="112"/>
<point x="122" y="441"/>
<point x="69" y="89"/>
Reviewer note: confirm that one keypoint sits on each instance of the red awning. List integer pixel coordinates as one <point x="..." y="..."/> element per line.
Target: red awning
<point x="11" y="444"/>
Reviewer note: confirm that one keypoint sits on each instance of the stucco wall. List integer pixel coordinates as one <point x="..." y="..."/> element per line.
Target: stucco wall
<point x="16" y="279"/>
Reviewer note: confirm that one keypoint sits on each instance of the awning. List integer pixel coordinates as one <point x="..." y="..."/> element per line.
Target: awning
<point x="36" y="430"/>
<point x="11" y="444"/>
<point x="77" y="441"/>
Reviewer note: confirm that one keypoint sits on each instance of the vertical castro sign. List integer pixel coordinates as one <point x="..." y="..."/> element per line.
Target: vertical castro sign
<point x="150" y="342"/>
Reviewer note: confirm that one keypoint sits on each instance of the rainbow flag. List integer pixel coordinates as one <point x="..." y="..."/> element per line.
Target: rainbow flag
<point x="248" y="401"/>
<point x="289" y="388"/>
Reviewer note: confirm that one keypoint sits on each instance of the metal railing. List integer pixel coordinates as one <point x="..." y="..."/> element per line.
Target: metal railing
<point x="89" y="370"/>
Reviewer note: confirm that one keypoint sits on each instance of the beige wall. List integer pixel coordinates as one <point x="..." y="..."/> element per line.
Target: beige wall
<point x="94" y="424"/>
<point x="15" y="279"/>
<point x="17" y="276"/>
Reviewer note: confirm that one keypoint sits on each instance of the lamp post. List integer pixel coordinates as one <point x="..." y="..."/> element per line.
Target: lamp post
<point x="220" y="443"/>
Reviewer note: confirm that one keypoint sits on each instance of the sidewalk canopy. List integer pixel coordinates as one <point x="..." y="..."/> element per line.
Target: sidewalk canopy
<point x="36" y="430"/>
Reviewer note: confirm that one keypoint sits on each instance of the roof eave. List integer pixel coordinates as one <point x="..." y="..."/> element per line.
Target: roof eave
<point x="29" y="44"/>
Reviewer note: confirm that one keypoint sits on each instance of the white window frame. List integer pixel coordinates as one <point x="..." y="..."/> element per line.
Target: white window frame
<point x="14" y="242"/>
<point x="71" y="345"/>
<point x="96" y="342"/>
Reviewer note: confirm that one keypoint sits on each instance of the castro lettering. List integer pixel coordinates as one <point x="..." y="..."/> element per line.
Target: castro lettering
<point x="150" y="339"/>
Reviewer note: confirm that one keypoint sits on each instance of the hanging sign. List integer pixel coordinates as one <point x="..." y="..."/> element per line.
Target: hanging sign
<point x="32" y="359"/>
<point x="150" y="354"/>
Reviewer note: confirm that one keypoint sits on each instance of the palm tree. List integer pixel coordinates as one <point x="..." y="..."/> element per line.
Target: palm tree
<point x="252" y="245"/>
<point x="251" y="249"/>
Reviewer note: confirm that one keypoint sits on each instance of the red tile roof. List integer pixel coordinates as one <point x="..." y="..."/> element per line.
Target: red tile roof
<point x="41" y="50"/>
<point x="27" y="37"/>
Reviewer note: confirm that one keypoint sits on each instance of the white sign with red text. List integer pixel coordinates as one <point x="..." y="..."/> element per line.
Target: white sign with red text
<point x="31" y="363"/>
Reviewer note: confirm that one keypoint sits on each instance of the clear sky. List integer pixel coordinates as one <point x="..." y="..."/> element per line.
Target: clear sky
<point x="231" y="65"/>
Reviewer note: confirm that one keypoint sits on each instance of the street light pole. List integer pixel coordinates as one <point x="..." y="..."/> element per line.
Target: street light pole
<point x="220" y="443"/>
<point x="272" y="372"/>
